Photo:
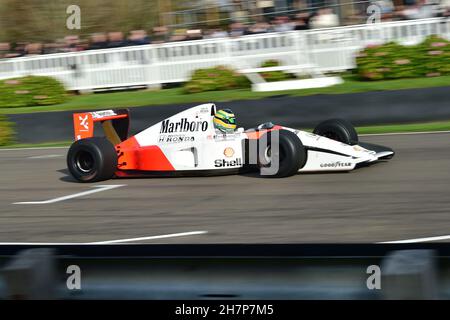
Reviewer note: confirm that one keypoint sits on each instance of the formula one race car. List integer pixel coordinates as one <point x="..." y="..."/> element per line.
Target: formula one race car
<point x="189" y="143"/>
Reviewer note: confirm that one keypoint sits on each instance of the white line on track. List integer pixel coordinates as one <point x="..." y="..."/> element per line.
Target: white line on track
<point x="98" y="188"/>
<point x="48" y="156"/>
<point x="418" y="240"/>
<point x="164" y="236"/>
<point x="173" y="235"/>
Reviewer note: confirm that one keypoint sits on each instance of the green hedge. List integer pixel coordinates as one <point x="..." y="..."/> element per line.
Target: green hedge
<point x="31" y="91"/>
<point x="6" y="131"/>
<point x="217" y="78"/>
<point x="274" y="75"/>
<point x="393" y="61"/>
<point x="224" y="78"/>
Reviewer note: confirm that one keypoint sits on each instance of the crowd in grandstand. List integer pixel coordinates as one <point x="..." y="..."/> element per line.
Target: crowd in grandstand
<point x="320" y="18"/>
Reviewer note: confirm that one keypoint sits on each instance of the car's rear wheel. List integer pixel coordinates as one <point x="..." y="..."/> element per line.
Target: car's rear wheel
<point x="291" y="155"/>
<point x="92" y="160"/>
<point x="338" y="129"/>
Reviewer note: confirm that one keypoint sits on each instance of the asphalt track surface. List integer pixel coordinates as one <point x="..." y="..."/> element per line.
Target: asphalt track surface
<point x="364" y="108"/>
<point x="404" y="198"/>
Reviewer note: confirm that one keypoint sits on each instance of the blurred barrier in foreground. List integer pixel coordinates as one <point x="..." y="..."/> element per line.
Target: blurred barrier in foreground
<point x="328" y="50"/>
<point x="43" y="273"/>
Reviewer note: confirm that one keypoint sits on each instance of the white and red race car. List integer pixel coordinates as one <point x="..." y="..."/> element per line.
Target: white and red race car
<point x="189" y="144"/>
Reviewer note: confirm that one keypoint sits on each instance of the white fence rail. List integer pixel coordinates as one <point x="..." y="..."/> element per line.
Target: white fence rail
<point x="329" y="49"/>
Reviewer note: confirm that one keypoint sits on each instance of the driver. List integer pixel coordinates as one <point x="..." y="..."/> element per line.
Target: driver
<point x="225" y="121"/>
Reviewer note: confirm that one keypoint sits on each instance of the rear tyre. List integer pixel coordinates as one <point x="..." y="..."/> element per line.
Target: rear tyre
<point x="291" y="154"/>
<point x="92" y="160"/>
<point x="338" y="129"/>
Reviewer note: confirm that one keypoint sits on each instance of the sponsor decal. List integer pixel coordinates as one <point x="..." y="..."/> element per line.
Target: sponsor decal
<point x="101" y="114"/>
<point x="83" y="125"/>
<point x="357" y="148"/>
<point x="175" y="138"/>
<point x="222" y="163"/>
<point x="313" y="136"/>
<point x="184" y="125"/>
<point x="84" y="122"/>
<point x="228" y="152"/>
<point x="225" y="137"/>
<point x="337" y="164"/>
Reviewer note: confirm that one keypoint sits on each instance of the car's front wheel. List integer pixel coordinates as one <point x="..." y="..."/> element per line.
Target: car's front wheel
<point x="92" y="160"/>
<point x="291" y="154"/>
<point x="338" y="129"/>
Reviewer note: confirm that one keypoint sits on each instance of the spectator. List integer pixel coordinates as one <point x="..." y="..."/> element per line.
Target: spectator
<point x="178" y="35"/>
<point x="259" y="27"/>
<point x="301" y="21"/>
<point x="60" y="45"/>
<point x="420" y="10"/>
<point x="386" y="6"/>
<point x="138" y="37"/>
<point x="82" y="45"/>
<point x="116" y="40"/>
<point x="282" y="24"/>
<point x="445" y="5"/>
<point x="409" y="2"/>
<point x="98" y="41"/>
<point x="267" y="7"/>
<point x="387" y="9"/>
<point x="19" y="50"/>
<point x="160" y="35"/>
<point x="217" y="33"/>
<point x="5" y="49"/>
<point x="195" y="34"/>
<point x="49" y="48"/>
<point x="71" y="43"/>
<point x="324" y="18"/>
<point x="33" y="49"/>
<point x="237" y="29"/>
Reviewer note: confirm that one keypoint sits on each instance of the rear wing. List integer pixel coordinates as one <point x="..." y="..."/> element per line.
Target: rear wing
<point x="115" y="124"/>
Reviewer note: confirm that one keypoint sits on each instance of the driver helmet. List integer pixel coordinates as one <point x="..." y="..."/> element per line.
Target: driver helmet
<point x="225" y="121"/>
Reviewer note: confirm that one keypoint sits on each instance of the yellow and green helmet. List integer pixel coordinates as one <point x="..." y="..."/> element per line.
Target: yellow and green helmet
<point x="225" y="121"/>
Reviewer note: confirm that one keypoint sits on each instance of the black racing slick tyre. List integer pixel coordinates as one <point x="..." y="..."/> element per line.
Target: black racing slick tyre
<point x="291" y="154"/>
<point x="92" y="160"/>
<point x="338" y="129"/>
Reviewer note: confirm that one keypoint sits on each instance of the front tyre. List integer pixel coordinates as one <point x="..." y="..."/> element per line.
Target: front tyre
<point x="291" y="154"/>
<point x="92" y="160"/>
<point x="338" y="129"/>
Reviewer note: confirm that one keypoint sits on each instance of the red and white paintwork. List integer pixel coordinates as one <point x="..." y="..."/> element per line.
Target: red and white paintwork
<point x="195" y="145"/>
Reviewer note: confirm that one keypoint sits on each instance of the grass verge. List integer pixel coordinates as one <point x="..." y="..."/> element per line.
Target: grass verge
<point x="6" y="131"/>
<point x="176" y="95"/>
<point x="400" y="128"/>
<point x="37" y="145"/>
